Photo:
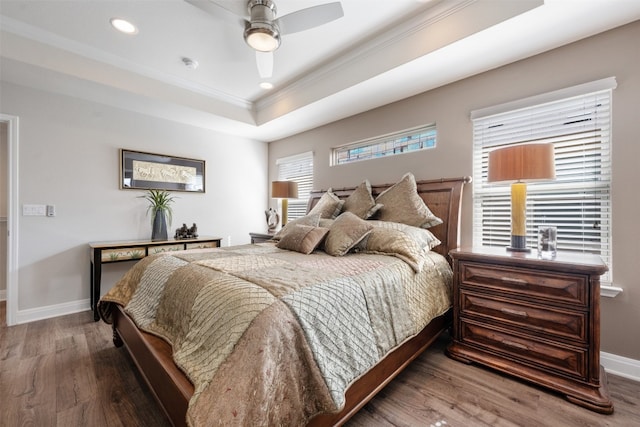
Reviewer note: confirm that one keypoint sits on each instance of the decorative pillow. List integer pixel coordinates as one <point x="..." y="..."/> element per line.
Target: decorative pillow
<point x="309" y="219"/>
<point x="346" y="232"/>
<point x="329" y="205"/>
<point x="361" y="203"/>
<point x="387" y="241"/>
<point x="326" y="222"/>
<point x="302" y="238"/>
<point x="401" y="203"/>
<point x="423" y="237"/>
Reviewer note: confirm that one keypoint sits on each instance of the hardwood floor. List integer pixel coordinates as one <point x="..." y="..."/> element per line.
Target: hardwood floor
<point x="66" y="372"/>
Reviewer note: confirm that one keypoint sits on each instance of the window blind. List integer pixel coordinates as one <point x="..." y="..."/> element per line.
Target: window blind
<point x="298" y="168"/>
<point x="578" y="201"/>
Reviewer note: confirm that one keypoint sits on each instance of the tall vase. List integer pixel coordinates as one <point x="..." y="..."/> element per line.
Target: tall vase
<point x="159" y="231"/>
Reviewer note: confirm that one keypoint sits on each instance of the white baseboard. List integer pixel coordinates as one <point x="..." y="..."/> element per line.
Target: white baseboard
<point x="40" y="313"/>
<point x="621" y="366"/>
<point x="3" y="295"/>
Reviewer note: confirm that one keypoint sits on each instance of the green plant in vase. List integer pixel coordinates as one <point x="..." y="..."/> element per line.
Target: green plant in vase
<point x="160" y="209"/>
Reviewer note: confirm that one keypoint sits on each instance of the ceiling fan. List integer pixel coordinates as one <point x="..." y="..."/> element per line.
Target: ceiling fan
<point x="262" y="29"/>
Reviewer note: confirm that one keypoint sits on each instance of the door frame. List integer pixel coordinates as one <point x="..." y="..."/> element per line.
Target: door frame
<point x="12" y="217"/>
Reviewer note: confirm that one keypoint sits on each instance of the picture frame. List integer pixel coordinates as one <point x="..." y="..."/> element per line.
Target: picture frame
<point x="140" y="170"/>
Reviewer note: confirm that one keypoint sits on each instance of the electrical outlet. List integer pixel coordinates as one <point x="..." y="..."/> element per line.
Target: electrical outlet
<point x="51" y="210"/>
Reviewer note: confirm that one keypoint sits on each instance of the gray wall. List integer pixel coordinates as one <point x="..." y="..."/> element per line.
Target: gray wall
<point x="614" y="53"/>
<point x="68" y="156"/>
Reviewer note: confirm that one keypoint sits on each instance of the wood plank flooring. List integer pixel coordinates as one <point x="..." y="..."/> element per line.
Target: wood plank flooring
<point x="66" y="372"/>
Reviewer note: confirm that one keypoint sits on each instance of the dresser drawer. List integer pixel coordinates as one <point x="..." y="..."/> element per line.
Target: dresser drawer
<point x="560" y="323"/>
<point x="164" y="248"/>
<point x="549" y="286"/>
<point x="564" y="359"/>
<point x="202" y="245"/>
<point x="122" y="254"/>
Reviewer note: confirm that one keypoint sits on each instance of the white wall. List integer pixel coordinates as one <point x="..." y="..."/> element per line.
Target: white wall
<point x="613" y="53"/>
<point x="68" y="157"/>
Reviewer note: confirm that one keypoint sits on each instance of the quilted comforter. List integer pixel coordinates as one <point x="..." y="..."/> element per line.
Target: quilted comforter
<point x="273" y="337"/>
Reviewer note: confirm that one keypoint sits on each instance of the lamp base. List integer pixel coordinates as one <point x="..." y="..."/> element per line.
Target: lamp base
<point x="512" y="249"/>
<point x="518" y="244"/>
<point x="285" y="211"/>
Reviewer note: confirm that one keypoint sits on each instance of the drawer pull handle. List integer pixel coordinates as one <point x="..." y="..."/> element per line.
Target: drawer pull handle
<point x="514" y="312"/>
<point x="514" y="281"/>
<point x="515" y="344"/>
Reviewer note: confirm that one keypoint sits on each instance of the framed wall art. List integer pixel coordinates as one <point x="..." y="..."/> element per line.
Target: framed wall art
<point x="145" y="171"/>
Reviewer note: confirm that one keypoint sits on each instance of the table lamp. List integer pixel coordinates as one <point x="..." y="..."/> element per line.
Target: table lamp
<point x="284" y="190"/>
<point x="521" y="163"/>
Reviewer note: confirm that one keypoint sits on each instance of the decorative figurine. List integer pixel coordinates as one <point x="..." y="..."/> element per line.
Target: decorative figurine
<point x="193" y="231"/>
<point x="273" y="219"/>
<point x="185" y="232"/>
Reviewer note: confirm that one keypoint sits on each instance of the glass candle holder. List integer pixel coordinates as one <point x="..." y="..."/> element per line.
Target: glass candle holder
<point x="547" y="242"/>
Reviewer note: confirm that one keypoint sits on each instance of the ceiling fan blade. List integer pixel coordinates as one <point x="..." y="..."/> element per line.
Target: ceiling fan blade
<point x="265" y="64"/>
<point x="310" y="17"/>
<point x="219" y="11"/>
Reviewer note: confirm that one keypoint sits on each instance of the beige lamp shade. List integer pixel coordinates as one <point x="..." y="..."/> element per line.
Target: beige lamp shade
<point x="521" y="163"/>
<point x="284" y="190"/>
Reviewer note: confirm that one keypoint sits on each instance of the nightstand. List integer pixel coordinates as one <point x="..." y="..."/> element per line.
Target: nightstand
<point x="261" y="237"/>
<point x="536" y="319"/>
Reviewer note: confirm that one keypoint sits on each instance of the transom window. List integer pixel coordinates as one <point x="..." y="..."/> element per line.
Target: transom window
<point x="414" y="139"/>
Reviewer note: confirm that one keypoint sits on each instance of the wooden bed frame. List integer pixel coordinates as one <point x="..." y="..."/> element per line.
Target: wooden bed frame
<point x="173" y="390"/>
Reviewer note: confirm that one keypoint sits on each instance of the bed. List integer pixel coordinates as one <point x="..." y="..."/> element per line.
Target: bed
<point x="326" y="379"/>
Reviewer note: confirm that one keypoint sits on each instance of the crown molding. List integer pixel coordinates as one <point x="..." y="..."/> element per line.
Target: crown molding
<point x="390" y="37"/>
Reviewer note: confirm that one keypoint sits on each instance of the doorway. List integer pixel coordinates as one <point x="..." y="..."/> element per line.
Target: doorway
<point x="9" y="216"/>
<point x="4" y="197"/>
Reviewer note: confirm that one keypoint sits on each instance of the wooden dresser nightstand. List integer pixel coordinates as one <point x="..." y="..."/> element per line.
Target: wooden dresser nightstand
<point x="535" y="319"/>
<point x="261" y="237"/>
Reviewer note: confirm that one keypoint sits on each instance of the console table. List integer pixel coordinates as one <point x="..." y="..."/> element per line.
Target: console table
<point x="131" y="250"/>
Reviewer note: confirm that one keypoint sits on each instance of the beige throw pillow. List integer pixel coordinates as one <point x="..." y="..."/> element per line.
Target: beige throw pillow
<point x="401" y="203"/>
<point x="302" y="238"/>
<point x="423" y="237"/>
<point x="329" y="205"/>
<point x="361" y="203"/>
<point x="346" y="232"/>
<point x="308" y="219"/>
<point x="387" y="241"/>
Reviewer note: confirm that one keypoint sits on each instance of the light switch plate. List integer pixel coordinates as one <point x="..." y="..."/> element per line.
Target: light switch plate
<point x="34" y="210"/>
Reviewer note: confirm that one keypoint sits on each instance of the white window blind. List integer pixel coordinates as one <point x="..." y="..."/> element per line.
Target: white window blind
<point x="298" y="168"/>
<point x="578" y="201"/>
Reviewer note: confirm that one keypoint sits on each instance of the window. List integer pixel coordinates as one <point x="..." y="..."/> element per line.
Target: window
<point x="577" y="121"/>
<point x="388" y="145"/>
<point x="298" y="168"/>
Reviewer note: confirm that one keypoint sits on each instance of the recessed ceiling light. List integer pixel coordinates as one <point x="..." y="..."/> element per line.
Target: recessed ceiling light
<point x="123" y="26"/>
<point x="266" y="85"/>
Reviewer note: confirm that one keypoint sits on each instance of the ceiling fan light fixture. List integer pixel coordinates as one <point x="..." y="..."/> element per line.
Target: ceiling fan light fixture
<point x="261" y="32"/>
<point x="262" y="39"/>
